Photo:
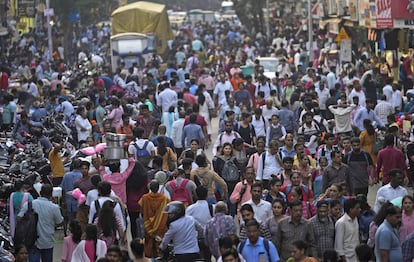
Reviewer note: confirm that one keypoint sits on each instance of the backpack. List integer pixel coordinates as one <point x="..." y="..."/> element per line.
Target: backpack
<point x="320" y="125"/>
<point x="142" y="154"/>
<point x="180" y="193"/>
<point x="230" y="171"/>
<point x="26" y="228"/>
<point x="266" y="246"/>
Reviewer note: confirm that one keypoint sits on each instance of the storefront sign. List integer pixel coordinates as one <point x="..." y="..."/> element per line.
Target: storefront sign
<point x="384" y="16"/>
<point x="26" y="8"/>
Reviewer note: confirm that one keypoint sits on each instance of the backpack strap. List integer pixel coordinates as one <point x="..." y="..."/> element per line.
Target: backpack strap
<point x="241" y="246"/>
<point x="210" y="209"/>
<point x="173" y="185"/>
<point x="25" y="198"/>
<point x="263" y="160"/>
<point x="97" y="208"/>
<point x="266" y="245"/>
<point x="264" y="124"/>
<point x="220" y="138"/>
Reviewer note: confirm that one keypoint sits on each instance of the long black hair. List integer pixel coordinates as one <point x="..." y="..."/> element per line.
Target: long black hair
<point x="201" y="96"/>
<point x="107" y="219"/>
<point x="138" y="177"/>
<point x="76" y="231"/>
<point x="161" y="146"/>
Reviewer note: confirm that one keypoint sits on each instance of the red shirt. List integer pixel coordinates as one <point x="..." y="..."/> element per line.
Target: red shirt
<point x="4" y="81"/>
<point x="387" y="159"/>
<point x="200" y="121"/>
<point x="189" y="98"/>
<point x="306" y="193"/>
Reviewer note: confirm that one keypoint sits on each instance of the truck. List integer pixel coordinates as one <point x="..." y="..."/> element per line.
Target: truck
<point x="139" y="28"/>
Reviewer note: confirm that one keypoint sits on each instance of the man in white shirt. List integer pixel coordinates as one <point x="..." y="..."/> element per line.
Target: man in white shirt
<point x="269" y="164"/>
<point x="392" y="190"/>
<point x="347" y="231"/>
<point x="259" y="123"/>
<point x="269" y="110"/>
<point x="262" y="209"/>
<point x="220" y="90"/>
<point x="166" y="97"/>
<point x="383" y="109"/>
<point x="264" y="86"/>
<point x="225" y="137"/>
<point x="331" y="78"/>
<point x="177" y="133"/>
<point x="396" y="98"/>
<point x="387" y="90"/>
<point x="323" y="95"/>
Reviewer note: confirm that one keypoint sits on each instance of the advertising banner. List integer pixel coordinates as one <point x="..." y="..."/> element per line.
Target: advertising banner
<point x="402" y="9"/>
<point x="26" y="8"/>
<point x="384" y="14"/>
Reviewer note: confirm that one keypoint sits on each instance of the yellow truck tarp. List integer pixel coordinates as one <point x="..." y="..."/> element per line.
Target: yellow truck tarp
<point x="145" y="18"/>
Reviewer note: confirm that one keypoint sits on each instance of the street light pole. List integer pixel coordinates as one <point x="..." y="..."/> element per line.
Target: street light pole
<point x="267" y="20"/>
<point x="49" y="31"/>
<point x="310" y="31"/>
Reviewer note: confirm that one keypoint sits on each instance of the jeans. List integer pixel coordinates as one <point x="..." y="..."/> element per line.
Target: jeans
<point x="45" y="254"/>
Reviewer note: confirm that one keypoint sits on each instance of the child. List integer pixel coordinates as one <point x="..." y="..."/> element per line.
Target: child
<point x="274" y="191"/>
<point x="308" y="209"/>
<point x="260" y="101"/>
<point x="97" y="133"/>
<point x="275" y="131"/>
<point x="71" y="242"/>
<point x="316" y="177"/>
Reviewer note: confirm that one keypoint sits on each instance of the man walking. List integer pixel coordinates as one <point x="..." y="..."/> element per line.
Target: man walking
<point x="323" y="228"/>
<point x="360" y="162"/>
<point x="49" y="217"/>
<point x="347" y="231"/>
<point x="387" y="243"/>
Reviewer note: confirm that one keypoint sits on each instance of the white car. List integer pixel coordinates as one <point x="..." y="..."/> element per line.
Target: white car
<point x="269" y="65"/>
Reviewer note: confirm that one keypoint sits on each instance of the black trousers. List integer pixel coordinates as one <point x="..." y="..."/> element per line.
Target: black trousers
<point x="186" y="257"/>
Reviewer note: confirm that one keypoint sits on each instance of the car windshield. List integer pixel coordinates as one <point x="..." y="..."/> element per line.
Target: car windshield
<point x="269" y="65"/>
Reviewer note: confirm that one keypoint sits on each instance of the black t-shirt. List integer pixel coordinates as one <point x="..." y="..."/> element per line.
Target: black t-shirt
<point x="246" y="133"/>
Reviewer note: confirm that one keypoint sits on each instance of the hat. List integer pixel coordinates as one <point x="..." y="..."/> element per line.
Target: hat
<point x="161" y="177"/>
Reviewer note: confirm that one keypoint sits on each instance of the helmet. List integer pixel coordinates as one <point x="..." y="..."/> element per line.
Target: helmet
<point x="176" y="208"/>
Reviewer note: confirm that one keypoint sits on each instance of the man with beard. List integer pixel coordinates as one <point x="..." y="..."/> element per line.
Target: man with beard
<point x="294" y="228"/>
<point x="360" y="162"/>
<point x="323" y="228"/>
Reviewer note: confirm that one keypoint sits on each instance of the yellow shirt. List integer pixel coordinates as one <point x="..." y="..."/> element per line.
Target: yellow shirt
<point x="311" y="160"/>
<point x="56" y="163"/>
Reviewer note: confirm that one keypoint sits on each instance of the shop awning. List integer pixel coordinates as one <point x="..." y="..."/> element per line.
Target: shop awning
<point x="335" y="21"/>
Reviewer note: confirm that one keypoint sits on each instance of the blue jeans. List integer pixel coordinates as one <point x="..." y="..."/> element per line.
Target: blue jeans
<point x="35" y="254"/>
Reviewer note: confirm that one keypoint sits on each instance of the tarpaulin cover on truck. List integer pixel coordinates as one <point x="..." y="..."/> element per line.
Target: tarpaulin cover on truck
<point x="145" y="18"/>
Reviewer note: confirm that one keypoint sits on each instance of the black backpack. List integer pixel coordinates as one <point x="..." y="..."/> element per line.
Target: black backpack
<point x="26" y="228"/>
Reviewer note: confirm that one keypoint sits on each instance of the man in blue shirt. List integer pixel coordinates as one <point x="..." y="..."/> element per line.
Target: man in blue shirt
<point x="67" y="186"/>
<point x="367" y="113"/>
<point x="387" y="243"/>
<point x="254" y="248"/>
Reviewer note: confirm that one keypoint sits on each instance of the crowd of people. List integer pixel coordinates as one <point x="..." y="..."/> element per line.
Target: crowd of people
<point x="220" y="163"/>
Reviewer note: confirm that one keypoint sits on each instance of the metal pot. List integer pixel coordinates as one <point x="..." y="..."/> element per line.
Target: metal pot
<point x="115" y="140"/>
<point x="114" y="153"/>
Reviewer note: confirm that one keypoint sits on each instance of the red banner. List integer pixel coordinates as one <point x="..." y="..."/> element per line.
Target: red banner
<point x="403" y="9"/>
<point x="384" y="17"/>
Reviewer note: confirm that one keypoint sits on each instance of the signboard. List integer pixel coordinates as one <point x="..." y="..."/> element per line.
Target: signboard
<point x="342" y="36"/>
<point x="345" y="53"/>
<point x="402" y="9"/>
<point x="26" y="8"/>
<point x="384" y="15"/>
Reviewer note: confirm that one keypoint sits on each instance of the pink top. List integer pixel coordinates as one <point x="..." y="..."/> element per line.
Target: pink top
<point x="116" y="116"/>
<point x="308" y="210"/>
<point x="371" y="234"/>
<point x="90" y="250"/>
<point x="118" y="180"/>
<point x="254" y="161"/>
<point x="407" y="226"/>
<point x="68" y="248"/>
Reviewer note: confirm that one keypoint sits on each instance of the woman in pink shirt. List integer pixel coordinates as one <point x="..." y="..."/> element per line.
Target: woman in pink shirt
<point x="71" y="242"/>
<point x="407" y="226"/>
<point x="118" y="179"/>
<point x="116" y="114"/>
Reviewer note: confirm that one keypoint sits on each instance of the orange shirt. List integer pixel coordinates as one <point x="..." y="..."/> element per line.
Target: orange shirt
<point x="235" y="82"/>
